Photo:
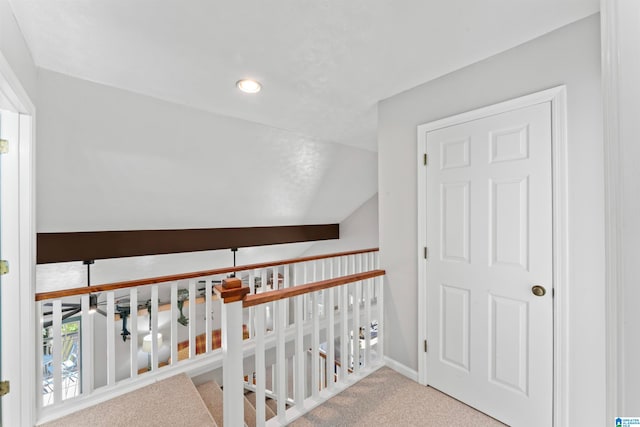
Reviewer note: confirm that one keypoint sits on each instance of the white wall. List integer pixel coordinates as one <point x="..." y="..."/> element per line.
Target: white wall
<point x="109" y="159"/>
<point x="621" y="68"/>
<point x="358" y="231"/>
<point x="570" y="56"/>
<point x="14" y="49"/>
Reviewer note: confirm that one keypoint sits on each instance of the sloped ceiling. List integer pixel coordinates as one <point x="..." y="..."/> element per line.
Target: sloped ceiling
<point x="324" y="63"/>
<point x="112" y="156"/>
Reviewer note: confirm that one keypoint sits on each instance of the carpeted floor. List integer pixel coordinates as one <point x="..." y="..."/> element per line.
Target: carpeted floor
<point x="386" y="398"/>
<point x="146" y="407"/>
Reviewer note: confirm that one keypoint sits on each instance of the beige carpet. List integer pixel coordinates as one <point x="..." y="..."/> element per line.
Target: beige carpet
<point x="171" y="402"/>
<point x="386" y="398"/>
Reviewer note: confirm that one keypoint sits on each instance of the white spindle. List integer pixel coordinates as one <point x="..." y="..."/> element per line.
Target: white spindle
<point x="344" y="326"/>
<point x="305" y="280"/>
<point x="315" y="345"/>
<point x="380" y="315"/>
<point x="39" y="309"/>
<point x="154" y="327"/>
<point x="299" y="376"/>
<point x="260" y="366"/>
<point x="286" y="275"/>
<point x="208" y="323"/>
<point x="331" y="339"/>
<point x="286" y="282"/>
<point x="56" y="345"/>
<point x="193" y="323"/>
<point x="233" y="393"/>
<point x="281" y="361"/>
<point x="263" y="280"/>
<point x="86" y="351"/>
<point x="252" y="310"/>
<point x="275" y="283"/>
<point x="111" y="342"/>
<point x="367" y="321"/>
<point x="174" y="323"/>
<point x="133" y="328"/>
<point x="356" y="326"/>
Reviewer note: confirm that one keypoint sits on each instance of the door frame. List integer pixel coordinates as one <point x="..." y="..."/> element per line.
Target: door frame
<point x="559" y="167"/>
<point x="22" y="260"/>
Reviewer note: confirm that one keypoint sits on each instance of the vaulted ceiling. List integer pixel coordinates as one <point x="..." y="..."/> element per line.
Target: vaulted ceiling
<point x="324" y="63"/>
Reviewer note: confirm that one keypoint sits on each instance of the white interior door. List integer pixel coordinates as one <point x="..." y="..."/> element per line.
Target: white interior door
<point x="489" y="234"/>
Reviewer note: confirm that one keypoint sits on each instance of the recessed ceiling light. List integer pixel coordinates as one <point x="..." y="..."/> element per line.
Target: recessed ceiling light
<point x="249" y="86"/>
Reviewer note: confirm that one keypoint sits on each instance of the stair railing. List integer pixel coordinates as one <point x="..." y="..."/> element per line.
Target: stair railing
<point x="108" y="357"/>
<point x="344" y="307"/>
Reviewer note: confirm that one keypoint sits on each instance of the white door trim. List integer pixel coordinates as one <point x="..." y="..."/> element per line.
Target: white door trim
<point x="557" y="97"/>
<point x="14" y="94"/>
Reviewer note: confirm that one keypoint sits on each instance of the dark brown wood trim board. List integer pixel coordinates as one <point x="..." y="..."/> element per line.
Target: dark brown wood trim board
<point x="91" y="245"/>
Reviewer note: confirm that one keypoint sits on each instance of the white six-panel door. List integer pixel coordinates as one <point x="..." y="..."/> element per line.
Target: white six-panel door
<point x="489" y="234"/>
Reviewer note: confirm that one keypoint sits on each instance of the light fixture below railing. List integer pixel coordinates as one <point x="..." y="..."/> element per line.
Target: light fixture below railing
<point x="147" y="342"/>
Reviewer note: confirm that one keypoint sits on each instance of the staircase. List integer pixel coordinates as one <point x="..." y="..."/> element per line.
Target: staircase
<point x="211" y="394"/>
<point x="174" y="401"/>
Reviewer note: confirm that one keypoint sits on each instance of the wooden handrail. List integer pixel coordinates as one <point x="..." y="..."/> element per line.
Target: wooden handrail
<point x="175" y="277"/>
<point x="264" y="297"/>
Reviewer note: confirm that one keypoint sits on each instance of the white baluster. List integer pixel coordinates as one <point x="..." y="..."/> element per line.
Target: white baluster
<point x="252" y="290"/>
<point x="287" y="283"/>
<point x="331" y="339"/>
<point x="260" y="366"/>
<point x="344" y="326"/>
<point x="356" y="327"/>
<point x="299" y="377"/>
<point x="154" y="327"/>
<point x="56" y="360"/>
<point x="208" y="324"/>
<point x="263" y="280"/>
<point x="380" y="315"/>
<point x="275" y="282"/>
<point x="232" y="359"/>
<point x="281" y="362"/>
<point x="86" y="352"/>
<point x="367" y="321"/>
<point x="315" y="345"/>
<point x="133" y="328"/>
<point x="305" y="280"/>
<point x="174" y="323"/>
<point x="40" y="354"/>
<point x="193" y="323"/>
<point x="111" y="344"/>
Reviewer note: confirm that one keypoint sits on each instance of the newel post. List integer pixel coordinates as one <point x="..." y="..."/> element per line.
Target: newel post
<point x="232" y="294"/>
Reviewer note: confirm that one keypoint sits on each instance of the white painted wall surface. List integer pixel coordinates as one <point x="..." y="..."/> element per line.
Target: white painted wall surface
<point x="14" y="49"/>
<point x="109" y="159"/>
<point x="621" y="65"/>
<point x="571" y="56"/>
<point x="358" y="231"/>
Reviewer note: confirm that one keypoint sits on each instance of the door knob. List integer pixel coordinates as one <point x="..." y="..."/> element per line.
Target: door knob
<point x="538" y="290"/>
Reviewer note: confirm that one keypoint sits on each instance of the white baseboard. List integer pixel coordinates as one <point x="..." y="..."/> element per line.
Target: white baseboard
<point x="412" y="374"/>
